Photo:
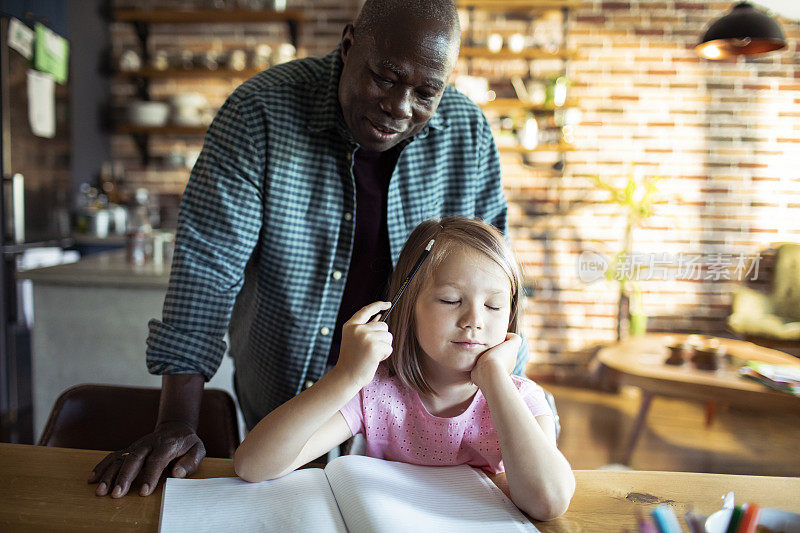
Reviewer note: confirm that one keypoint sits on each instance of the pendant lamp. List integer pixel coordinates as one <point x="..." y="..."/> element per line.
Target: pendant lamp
<point x="743" y="31"/>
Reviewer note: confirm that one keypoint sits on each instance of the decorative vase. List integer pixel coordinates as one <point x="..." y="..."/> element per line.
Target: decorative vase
<point x="637" y="324"/>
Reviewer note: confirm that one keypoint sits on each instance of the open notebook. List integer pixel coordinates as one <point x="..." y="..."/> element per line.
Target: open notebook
<point x="353" y="493"/>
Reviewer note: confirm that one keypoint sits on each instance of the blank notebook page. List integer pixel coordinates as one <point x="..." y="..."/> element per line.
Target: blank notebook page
<point x="300" y="502"/>
<point x="387" y="496"/>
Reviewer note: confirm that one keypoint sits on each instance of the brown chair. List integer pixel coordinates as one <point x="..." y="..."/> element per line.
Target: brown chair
<point x="109" y="417"/>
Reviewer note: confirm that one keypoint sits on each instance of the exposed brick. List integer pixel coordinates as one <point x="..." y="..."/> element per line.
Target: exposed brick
<point x="775" y="73"/>
<point x="720" y="86"/>
<point x="685" y="59"/>
<point x="590" y="19"/>
<point x="756" y="87"/>
<point x="648" y="32"/>
<point x="689" y="6"/>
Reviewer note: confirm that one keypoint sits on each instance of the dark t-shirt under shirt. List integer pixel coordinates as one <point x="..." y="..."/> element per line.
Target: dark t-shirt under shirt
<point x="370" y="262"/>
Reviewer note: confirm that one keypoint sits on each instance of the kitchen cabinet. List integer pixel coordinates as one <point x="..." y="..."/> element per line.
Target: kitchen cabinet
<point x="90" y="326"/>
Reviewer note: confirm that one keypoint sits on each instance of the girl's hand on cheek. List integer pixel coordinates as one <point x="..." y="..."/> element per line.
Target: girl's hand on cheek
<point x="365" y="343"/>
<point x="496" y="360"/>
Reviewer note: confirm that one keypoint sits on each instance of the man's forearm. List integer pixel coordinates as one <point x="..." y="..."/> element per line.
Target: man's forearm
<point x="181" y="395"/>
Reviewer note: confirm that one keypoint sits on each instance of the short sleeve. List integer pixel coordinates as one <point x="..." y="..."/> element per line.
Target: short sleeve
<point x="353" y="413"/>
<point x="533" y="396"/>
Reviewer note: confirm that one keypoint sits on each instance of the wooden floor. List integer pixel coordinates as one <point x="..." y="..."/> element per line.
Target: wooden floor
<point x="596" y="426"/>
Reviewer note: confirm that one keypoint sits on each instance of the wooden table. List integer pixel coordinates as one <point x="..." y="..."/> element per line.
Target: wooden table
<point x="45" y="489"/>
<point x="639" y="361"/>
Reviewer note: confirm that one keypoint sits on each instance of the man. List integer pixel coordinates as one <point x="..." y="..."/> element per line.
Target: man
<point x="312" y="176"/>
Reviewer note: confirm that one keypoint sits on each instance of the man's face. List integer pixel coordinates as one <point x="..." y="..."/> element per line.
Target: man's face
<point x="391" y="83"/>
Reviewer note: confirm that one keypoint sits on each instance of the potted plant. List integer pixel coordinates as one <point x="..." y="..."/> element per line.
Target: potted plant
<point x="636" y="199"/>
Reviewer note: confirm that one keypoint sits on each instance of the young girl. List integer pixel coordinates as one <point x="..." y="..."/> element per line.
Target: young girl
<point x="439" y="391"/>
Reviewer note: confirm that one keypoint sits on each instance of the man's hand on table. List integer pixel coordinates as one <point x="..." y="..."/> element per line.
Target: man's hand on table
<point x="147" y="458"/>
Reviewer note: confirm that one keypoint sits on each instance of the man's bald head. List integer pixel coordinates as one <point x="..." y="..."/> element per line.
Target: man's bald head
<point x="376" y="15"/>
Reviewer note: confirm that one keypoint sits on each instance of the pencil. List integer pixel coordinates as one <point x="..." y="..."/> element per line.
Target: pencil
<point x="749" y="521"/>
<point x="422" y="257"/>
<point x="666" y="519"/>
<point x="645" y="525"/>
<point x="736" y="517"/>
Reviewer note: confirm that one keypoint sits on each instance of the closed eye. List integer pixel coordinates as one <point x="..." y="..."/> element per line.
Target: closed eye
<point x="493" y="308"/>
<point x="448" y="301"/>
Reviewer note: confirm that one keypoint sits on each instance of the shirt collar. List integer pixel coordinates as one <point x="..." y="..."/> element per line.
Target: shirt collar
<point x="327" y="112"/>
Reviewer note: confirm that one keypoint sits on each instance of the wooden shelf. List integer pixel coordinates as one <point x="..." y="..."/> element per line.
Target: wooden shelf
<point x="510" y="5"/>
<point x="141" y="20"/>
<point x="157" y="169"/>
<point x="512" y="104"/>
<point x="560" y="147"/>
<point x="533" y="53"/>
<point x="515" y="106"/>
<point x="169" y="16"/>
<point x="131" y="129"/>
<point x="187" y="73"/>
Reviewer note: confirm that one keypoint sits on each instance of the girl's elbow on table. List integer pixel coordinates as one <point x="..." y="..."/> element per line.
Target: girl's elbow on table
<point x="549" y="505"/>
<point x="253" y="473"/>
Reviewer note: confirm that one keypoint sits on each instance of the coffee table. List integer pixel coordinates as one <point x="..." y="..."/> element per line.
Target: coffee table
<point x="639" y="361"/>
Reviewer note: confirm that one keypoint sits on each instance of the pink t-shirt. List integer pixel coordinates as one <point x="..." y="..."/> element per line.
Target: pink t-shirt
<point x="398" y="427"/>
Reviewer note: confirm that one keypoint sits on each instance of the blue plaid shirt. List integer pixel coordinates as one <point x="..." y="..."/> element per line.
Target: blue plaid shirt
<point x="269" y="211"/>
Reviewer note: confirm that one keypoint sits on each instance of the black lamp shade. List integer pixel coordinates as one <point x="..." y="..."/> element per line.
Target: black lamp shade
<point x="743" y="31"/>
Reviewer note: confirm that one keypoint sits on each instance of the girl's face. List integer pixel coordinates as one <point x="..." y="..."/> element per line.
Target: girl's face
<point x="462" y="312"/>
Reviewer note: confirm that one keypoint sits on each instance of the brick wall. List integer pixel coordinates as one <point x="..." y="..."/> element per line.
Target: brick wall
<point x="724" y="135"/>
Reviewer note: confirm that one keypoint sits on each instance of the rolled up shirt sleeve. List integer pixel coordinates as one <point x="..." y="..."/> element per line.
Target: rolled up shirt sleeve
<point x="218" y="227"/>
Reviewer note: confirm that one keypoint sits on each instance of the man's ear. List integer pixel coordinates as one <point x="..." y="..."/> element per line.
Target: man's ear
<point x="347" y="40"/>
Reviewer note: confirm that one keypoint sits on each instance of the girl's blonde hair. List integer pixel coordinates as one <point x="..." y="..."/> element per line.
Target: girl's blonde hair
<point x="451" y="234"/>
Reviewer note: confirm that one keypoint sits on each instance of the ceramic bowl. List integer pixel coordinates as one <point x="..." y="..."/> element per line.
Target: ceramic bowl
<point x="187" y="109"/>
<point x="147" y="113"/>
<point x="188" y="102"/>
